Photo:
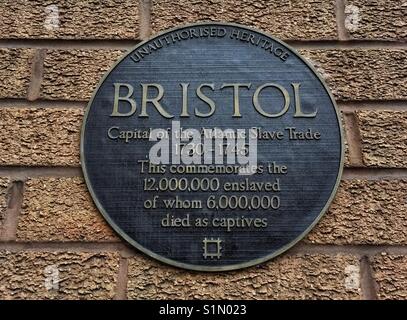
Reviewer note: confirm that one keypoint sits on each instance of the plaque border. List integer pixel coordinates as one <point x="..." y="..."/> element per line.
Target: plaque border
<point x="206" y="267"/>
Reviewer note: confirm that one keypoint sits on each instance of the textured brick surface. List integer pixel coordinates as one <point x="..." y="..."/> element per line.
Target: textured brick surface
<point x="4" y="183"/>
<point x="383" y="138"/>
<point x="295" y="277"/>
<point x="39" y="136"/>
<point x="378" y="19"/>
<point x="29" y="275"/>
<point x="346" y="159"/>
<point x="45" y="136"/>
<point x="74" y="75"/>
<point x="390" y="273"/>
<point x="15" y="72"/>
<point x="350" y="74"/>
<point x="60" y="209"/>
<point x="285" y="19"/>
<point x="362" y="74"/>
<point x="365" y="212"/>
<point x="69" y="19"/>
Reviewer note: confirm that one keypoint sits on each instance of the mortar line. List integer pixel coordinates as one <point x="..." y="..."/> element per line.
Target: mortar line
<point x="121" y="283"/>
<point x="76" y="246"/>
<point x="374" y="105"/>
<point x="353" y="249"/>
<point x="354" y="139"/>
<point x="346" y="106"/>
<point x="15" y="201"/>
<point x="41" y="103"/>
<point x="340" y="20"/>
<point x="128" y="252"/>
<point x="115" y="44"/>
<point x="358" y="103"/>
<point x="145" y="19"/>
<point x="346" y="44"/>
<point x="349" y="173"/>
<point x="25" y="172"/>
<point x="37" y="71"/>
<point x="367" y="282"/>
<point x="69" y="43"/>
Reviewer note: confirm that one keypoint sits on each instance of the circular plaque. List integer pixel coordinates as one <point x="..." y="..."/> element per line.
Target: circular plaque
<point x="212" y="147"/>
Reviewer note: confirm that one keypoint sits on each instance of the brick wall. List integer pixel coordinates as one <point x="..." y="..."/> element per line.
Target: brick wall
<point x="52" y="54"/>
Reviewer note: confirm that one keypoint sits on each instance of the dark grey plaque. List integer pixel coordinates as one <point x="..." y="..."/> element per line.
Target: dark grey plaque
<point x="212" y="216"/>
